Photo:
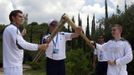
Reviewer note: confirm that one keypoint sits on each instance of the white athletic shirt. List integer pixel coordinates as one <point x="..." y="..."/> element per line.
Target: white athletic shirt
<point x="121" y="52"/>
<point x="60" y="53"/>
<point x="13" y="45"/>
<point x="100" y="52"/>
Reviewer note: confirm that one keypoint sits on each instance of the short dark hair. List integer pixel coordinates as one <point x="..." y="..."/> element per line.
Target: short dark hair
<point x="100" y="36"/>
<point x="14" y="13"/>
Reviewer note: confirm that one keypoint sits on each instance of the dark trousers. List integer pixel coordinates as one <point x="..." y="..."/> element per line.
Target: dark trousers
<point x="101" y="68"/>
<point x="55" y="67"/>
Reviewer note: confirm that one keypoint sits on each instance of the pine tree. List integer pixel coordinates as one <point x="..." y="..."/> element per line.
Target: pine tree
<point x="87" y="28"/>
<point x="80" y="39"/>
<point x="106" y="25"/>
<point x="26" y="19"/>
<point x="86" y="48"/>
<point x="106" y="10"/>
<point x="31" y="33"/>
<point x="93" y="28"/>
<point x="118" y="11"/>
<point x="74" y="41"/>
<point x="31" y="30"/>
<point x="100" y="26"/>
<point x="79" y="21"/>
<point x="68" y="28"/>
<point x="74" y="22"/>
<point x="125" y="6"/>
<point x="106" y="16"/>
<point x="73" y="19"/>
<point x="101" y="29"/>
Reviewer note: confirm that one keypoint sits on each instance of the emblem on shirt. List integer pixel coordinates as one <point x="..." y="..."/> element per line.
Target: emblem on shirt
<point x="55" y="51"/>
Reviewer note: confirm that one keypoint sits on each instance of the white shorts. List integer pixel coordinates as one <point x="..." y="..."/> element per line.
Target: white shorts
<point x="13" y="71"/>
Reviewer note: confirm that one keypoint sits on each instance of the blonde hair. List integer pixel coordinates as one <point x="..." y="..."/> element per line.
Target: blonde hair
<point x="118" y="26"/>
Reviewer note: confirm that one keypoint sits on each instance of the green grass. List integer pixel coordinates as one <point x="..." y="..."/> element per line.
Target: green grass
<point x="34" y="72"/>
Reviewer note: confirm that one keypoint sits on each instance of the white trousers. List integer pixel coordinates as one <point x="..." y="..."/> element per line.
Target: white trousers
<point x="13" y="71"/>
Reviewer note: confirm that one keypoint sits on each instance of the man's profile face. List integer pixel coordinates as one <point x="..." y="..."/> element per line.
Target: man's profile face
<point x="19" y="19"/>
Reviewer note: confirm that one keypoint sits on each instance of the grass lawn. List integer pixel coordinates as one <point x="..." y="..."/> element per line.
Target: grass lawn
<point x="34" y="72"/>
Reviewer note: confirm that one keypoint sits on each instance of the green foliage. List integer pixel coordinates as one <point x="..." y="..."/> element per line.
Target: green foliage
<point x="38" y="66"/>
<point x="79" y="38"/>
<point x="1" y="31"/>
<point x="34" y="31"/>
<point x="77" y="63"/>
<point x="38" y="30"/>
<point x="88" y="28"/>
<point x="34" y="72"/>
<point x="126" y="19"/>
<point x="93" y="28"/>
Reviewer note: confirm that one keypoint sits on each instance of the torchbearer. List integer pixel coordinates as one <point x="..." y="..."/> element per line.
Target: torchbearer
<point x="14" y="45"/>
<point x="55" y="53"/>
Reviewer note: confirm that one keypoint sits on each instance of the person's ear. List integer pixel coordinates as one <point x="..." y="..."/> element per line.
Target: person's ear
<point x="13" y="18"/>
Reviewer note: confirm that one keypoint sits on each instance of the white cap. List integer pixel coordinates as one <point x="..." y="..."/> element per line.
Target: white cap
<point x="53" y="22"/>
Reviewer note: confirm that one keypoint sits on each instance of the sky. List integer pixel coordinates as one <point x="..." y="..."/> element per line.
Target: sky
<point x="45" y="10"/>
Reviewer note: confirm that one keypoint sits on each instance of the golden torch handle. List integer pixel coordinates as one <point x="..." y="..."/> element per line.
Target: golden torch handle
<point x="70" y="22"/>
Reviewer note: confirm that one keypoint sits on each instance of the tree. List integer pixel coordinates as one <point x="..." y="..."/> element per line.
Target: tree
<point x="80" y="40"/>
<point x="87" y="28"/>
<point x="25" y="20"/>
<point x="118" y="11"/>
<point x="125" y="6"/>
<point x="31" y="28"/>
<point x="106" y="24"/>
<point x="2" y="26"/>
<point x="73" y="43"/>
<point x="106" y="10"/>
<point x="68" y="28"/>
<point x="74" y="22"/>
<point x="79" y="21"/>
<point x="93" y="28"/>
<point x="86" y="48"/>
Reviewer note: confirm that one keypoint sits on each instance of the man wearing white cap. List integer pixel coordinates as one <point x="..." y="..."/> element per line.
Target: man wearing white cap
<point x="56" y="54"/>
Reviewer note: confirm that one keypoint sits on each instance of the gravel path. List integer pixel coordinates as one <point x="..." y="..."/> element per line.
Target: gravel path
<point x="1" y="71"/>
